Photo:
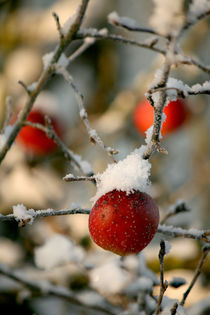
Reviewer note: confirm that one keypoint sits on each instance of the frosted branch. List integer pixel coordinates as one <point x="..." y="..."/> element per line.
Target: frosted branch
<point x="144" y="44"/>
<point x="202" y="235"/>
<point x="68" y="154"/>
<point x="44" y="288"/>
<point x="94" y="137"/>
<point x="129" y="24"/>
<point x="46" y="73"/>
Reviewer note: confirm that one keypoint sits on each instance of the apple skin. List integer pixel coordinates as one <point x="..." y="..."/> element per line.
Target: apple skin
<point x="176" y="115"/>
<point x="123" y="223"/>
<point x="34" y="140"/>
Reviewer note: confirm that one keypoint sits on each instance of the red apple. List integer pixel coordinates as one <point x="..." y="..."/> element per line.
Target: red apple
<point x="123" y="223"/>
<point x="176" y="114"/>
<point x="34" y="140"/>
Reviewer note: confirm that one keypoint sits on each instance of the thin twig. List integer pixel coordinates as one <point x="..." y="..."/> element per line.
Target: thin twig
<point x="46" y="288"/>
<point x="59" y="28"/>
<point x="46" y="73"/>
<point x="174" y="308"/>
<point x="163" y="283"/>
<point x="9" y="101"/>
<point x="179" y="207"/>
<point x="89" y="33"/>
<point x="68" y="154"/>
<point x="205" y="252"/>
<point x="72" y="178"/>
<point x="45" y="213"/>
<point x="94" y="137"/>
<point x="173" y="231"/>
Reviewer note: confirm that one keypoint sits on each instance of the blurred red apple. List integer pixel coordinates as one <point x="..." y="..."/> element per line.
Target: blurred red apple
<point x="123" y="223"/>
<point x="176" y="114"/>
<point x="36" y="141"/>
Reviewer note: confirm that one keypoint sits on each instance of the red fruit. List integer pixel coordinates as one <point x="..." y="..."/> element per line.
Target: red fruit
<point x="35" y="140"/>
<point x="176" y="114"/>
<point x="123" y="224"/>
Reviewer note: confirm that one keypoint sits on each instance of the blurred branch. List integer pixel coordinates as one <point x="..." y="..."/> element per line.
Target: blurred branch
<point x="202" y="235"/>
<point x="205" y="252"/>
<point x="72" y="178"/>
<point x="43" y="214"/>
<point x="96" y="34"/>
<point x="129" y="24"/>
<point x="45" y="288"/>
<point x="9" y="101"/>
<point x="94" y="137"/>
<point x="179" y="207"/>
<point x="59" y="28"/>
<point x="50" y="132"/>
<point x="163" y="284"/>
<point x="46" y="73"/>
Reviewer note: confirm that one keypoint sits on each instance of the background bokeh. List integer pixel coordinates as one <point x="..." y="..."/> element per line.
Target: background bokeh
<point x="113" y="78"/>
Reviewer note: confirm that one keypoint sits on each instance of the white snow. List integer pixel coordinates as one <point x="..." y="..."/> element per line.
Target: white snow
<point x="5" y="135"/>
<point x="127" y="175"/>
<point x="167" y="247"/>
<point x="199" y="88"/>
<point x="47" y="58"/>
<point x="109" y="278"/>
<point x="85" y="165"/>
<point x="22" y="214"/>
<point x="176" y="84"/>
<point x="167" y="16"/>
<point x="197" y="8"/>
<point x="74" y="205"/>
<point x="56" y="251"/>
<point x="115" y="19"/>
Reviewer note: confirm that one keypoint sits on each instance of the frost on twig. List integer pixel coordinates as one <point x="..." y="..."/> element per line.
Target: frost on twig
<point x="128" y="23"/>
<point x="179" y="207"/>
<point x="94" y="137"/>
<point x="75" y="159"/>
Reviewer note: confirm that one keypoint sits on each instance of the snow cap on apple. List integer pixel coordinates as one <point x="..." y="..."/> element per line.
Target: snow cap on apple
<point x="124" y="218"/>
<point x="129" y="174"/>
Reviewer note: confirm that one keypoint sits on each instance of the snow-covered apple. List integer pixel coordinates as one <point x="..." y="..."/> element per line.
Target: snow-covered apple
<point x="123" y="223"/>
<point x="176" y="114"/>
<point x="36" y="141"/>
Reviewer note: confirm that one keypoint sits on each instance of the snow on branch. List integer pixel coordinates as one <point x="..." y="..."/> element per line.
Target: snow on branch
<point x="144" y="44"/>
<point x="24" y="216"/>
<point x="44" y="288"/>
<point x="128" y="23"/>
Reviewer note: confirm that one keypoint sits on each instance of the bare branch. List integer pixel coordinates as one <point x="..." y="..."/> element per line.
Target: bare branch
<point x="59" y="28"/>
<point x="45" y="288"/>
<point x="205" y="252"/>
<point x="163" y="283"/>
